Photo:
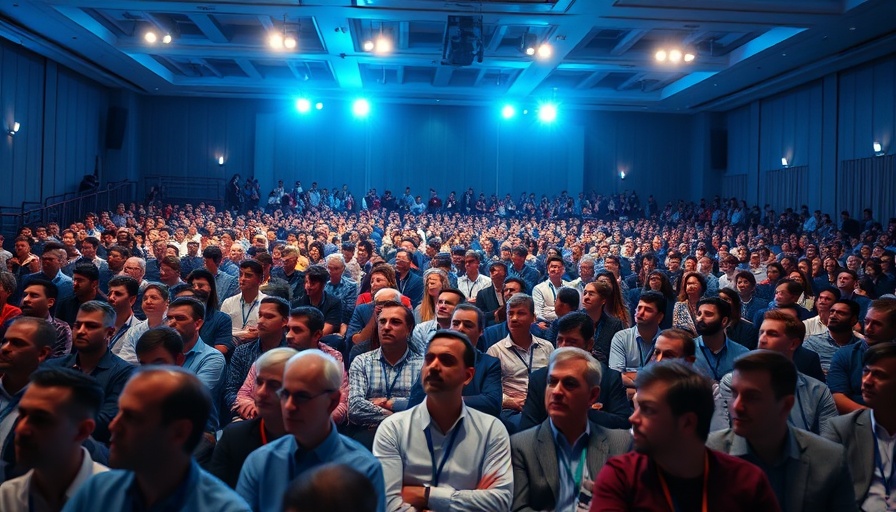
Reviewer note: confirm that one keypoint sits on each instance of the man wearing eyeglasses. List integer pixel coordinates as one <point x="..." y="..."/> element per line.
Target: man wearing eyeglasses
<point x="309" y="394"/>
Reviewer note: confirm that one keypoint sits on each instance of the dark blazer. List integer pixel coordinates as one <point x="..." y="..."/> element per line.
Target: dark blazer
<point x="483" y="393"/>
<point x="488" y="303"/>
<point x="536" y="469"/>
<point x="808" y="362"/>
<point x="615" y="408"/>
<point x="817" y="473"/>
<point x="412" y="288"/>
<point x="237" y="441"/>
<point x="853" y="431"/>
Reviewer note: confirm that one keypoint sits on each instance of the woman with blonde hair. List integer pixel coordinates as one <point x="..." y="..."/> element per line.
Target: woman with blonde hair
<point x="434" y="281"/>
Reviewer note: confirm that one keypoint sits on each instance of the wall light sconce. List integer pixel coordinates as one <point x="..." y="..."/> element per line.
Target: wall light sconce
<point x="14" y="129"/>
<point x="221" y="161"/>
<point x="784" y="162"/>
<point x="878" y="149"/>
<point x="622" y="175"/>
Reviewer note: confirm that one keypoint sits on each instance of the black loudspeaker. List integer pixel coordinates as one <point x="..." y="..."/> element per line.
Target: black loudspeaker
<point x="116" y="121"/>
<point x="718" y="149"/>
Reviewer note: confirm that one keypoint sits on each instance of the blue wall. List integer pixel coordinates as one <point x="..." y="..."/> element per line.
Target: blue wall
<point x="817" y="125"/>
<point x="62" y="116"/>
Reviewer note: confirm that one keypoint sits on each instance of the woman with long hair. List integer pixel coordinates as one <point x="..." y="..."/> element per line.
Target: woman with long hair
<point x="807" y="298"/>
<point x="616" y="305"/>
<point x="315" y="253"/>
<point x="739" y="329"/>
<point x="434" y="281"/>
<point x="218" y="327"/>
<point x="684" y="316"/>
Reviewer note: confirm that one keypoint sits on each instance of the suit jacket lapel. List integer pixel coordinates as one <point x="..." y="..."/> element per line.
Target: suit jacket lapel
<point x="864" y="442"/>
<point x="796" y="489"/>
<point x="547" y="457"/>
<point x="598" y="451"/>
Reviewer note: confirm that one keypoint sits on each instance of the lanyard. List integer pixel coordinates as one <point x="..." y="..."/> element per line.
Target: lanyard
<point x="531" y="353"/>
<point x="553" y="290"/>
<point x="641" y="353"/>
<point x="879" y="463"/>
<point x="118" y="335"/>
<point x="668" y="495"/>
<point x="264" y="436"/>
<point x="576" y="478"/>
<point x="397" y="370"/>
<point x="437" y="472"/>
<point x="247" y="313"/>
<point x="711" y="356"/>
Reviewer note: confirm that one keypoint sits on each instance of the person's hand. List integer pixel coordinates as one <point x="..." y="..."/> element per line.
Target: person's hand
<point x="247" y="410"/>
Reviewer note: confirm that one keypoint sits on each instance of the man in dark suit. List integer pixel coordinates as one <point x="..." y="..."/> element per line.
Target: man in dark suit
<point x="866" y="431"/>
<point x="613" y="410"/>
<point x="808" y="473"/>
<point x="491" y="300"/>
<point x="555" y="462"/>
<point x="483" y="393"/>
<point x="410" y="284"/>
<point x="242" y="438"/>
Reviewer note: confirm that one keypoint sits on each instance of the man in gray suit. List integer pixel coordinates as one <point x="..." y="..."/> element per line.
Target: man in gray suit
<point x="864" y="431"/>
<point x="807" y="473"/>
<point x="554" y="463"/>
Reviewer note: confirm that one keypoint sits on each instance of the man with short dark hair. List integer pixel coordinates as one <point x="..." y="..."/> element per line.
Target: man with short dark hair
<point x="556" y="461"/>
<point x="520" y="269"/>
<point x="316" y="296"/>
<point x="613" y="410"/>
<point x="85" y="282"/>
<point x="846" y="282"/>
<point x="56" y="414"/>
<point x="448" y="300"/>
<point x="273" y="313"/>
<point x="408" y="283"/>
<point x="38" y="299"/>
<point x="715" y="351"/>
<point x="483" y="393"/>
<point x="631" y="348"/>
<point x="163" y="412"/>
<point x="225" y="283"/>
<point x="845" y="373"/>
<point x="242" y="308"/>
<point x="472" y="282"/>
<point x="475" y="470"/>
<point x="93" y="327"/>
<point x="491" y="299"/>
<point x="544" y="294"/>
<point x="865" y="432"/>
<point x="52" y="259"/>
<point x="671" y="468"/>
<point x="842" y="316"/>
<point x="763" y="384"/>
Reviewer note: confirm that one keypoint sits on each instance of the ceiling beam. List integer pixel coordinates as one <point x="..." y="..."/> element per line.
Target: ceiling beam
<point x="249" y="68"/>
<point x="339" y="45"/>
<point x="443" y="76"/>
<point x="211" y="28"/>
<point x="632" y="80"/>
<point x="592" y="80"/>
<point x="629" y="40"/>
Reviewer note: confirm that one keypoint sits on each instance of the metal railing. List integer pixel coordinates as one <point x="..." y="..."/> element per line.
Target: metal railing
<point x="66" y="208"/>
<point x="184" y="189"/>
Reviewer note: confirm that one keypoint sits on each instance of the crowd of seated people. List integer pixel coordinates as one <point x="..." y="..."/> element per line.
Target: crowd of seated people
<point x="462" y="353"/>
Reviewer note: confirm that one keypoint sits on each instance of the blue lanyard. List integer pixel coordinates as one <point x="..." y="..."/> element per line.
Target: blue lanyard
<point x="576" y="478"/>
<point x="879" y="463"/>
<point x="531" y="354"/>
<point x="118" y="335"/>
<point x="641" y="353"/>
<point x="247" y="313"/>
<point x="437" y="472"/>
<point x="553" y="290"/>
<point x="711" y="356"/>
<point x="397" y="369"/>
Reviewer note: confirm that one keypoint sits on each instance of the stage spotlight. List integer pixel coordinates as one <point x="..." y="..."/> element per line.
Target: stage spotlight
<point x="784" y="162"/>
<point x="383" y="45"/>
<point x="303" y="105"/>
<point x="151" y="37"/>
<point x="319" y="106"/>
<point x="545" y="51"/>
<point x="529" y="44"/>
<point x="221" y="160"/>
<point x="622" y="175"/>
<point x="360" y="108"/>
<point x="689" y="57"/>
<point x="290" y="41"/>
<point x="368" y="46"/>
<point x="661" y="55"/>
<point x="877" y="147"/>
<point x="674" y="55"/>
<point x="547" y="113"/>
<point x="166" y="39"/>
<point x="276" y="40"/>
<point x="508" y="111"/>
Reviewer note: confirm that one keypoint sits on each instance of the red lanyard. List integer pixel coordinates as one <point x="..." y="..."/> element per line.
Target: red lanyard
<point x="264" y="436"/>
<point x="668" y="495"/>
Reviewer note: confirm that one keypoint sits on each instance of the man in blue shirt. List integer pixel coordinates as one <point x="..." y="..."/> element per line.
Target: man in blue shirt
<point x="52" y="260"/>
<point x="162" y="417"/>
<point x="520" y="269"/>
<point x="715" y="351"/>
<point x="310" y="392"/>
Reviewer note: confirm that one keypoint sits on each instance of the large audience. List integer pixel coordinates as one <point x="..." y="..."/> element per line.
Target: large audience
<point x="426" y="351"/>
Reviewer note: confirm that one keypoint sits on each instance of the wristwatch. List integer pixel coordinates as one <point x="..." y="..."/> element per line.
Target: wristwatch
<point x="426" y="489"/>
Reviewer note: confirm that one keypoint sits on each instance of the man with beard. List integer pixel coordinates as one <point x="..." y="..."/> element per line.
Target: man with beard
<point x="93" y="327"/>
<point x="491" y="299"/>
<point x="449" y="298"/>
<point x="671" y="468"/>
<point x="715" y="351"/>
<point x="85" y="279"/>
<point x="56" y="414"/>
<point x="842" y="316"/>
<point x="37" y="300"/>
<point x="163" y="411"/>
<point x="475" y="470"/>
